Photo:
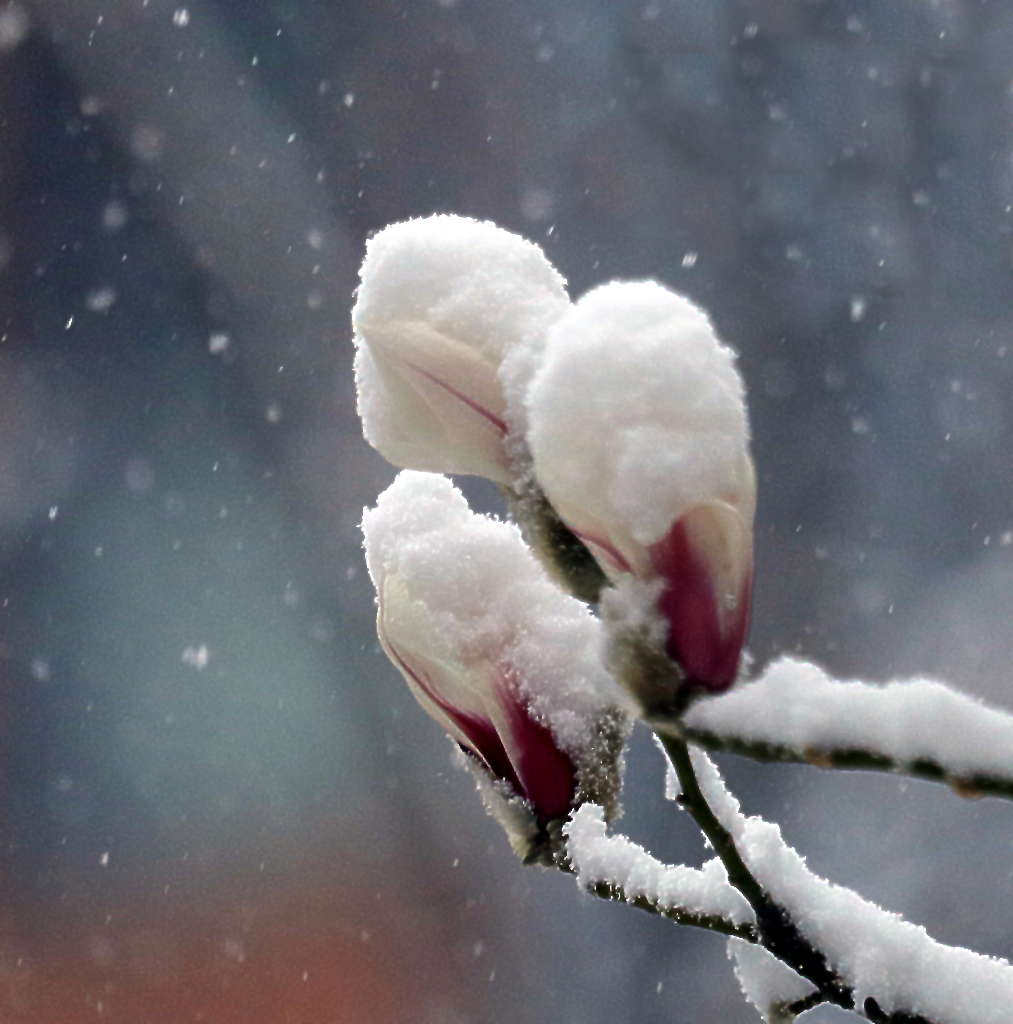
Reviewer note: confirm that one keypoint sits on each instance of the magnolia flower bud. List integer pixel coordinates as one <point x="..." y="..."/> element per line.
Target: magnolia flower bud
<point x="510" y="666"/>
<point x="448" y="319"/>
<point x="638" y="430"/>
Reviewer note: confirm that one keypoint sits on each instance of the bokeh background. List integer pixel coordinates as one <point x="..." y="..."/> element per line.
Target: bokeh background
<point x="217" y="801"/>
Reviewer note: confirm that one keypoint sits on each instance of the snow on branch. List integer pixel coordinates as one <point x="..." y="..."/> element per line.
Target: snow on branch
<point x="892" y="967"/>
<point x="471" y="358"/>
<point x="618" y="868"/>
<point x="776" y="991"/>
<point x="796" y="712"/>
<point x="519" y="681"/>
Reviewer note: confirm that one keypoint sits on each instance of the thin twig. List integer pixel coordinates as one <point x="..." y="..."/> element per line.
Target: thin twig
<point x="709" y="922"/>
<point x="809" y="1002"/>
<point x="778" y="933"/>
<point x="693" y="800"/>
<point x="614" y="892"/>
<point x="853" y="759"/>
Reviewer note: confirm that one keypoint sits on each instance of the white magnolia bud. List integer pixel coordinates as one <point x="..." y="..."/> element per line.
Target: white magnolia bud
<point x="639" y="434"/>
<point x="510" y="666"/>
<point x="449" y="317"/>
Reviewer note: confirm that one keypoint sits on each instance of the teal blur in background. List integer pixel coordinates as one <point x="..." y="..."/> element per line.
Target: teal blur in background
<point x="219" y="801"/>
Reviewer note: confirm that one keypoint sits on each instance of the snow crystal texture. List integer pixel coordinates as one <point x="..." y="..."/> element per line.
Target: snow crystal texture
<point x="446" y="306"/>
<point x="616" y="860"/>
<point x="796" y="704"/>
<point x="637" y="411"/>
<point x="474" y="592"/>
<point x="765" y="981"/>
<point x="876" y="952"/>
<point x="467" y="279"/>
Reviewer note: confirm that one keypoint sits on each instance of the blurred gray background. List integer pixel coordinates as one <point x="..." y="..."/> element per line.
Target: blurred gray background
<point x="219" y="803"/>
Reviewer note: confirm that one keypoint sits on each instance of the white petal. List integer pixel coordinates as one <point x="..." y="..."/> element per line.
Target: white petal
<point x="444" y="303"/>
<point x="430" y="402"/>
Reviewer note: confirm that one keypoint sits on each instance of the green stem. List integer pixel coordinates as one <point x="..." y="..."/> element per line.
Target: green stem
<point x="560" y="551"/>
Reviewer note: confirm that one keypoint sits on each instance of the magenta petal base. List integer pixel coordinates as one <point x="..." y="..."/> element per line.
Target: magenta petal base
<point x="704" y="636"/>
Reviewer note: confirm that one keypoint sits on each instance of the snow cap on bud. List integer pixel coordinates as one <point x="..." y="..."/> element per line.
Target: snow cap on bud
<point x="510" y="666"/>
<point x="639" y="434"/>
<point x="448" y="319"/>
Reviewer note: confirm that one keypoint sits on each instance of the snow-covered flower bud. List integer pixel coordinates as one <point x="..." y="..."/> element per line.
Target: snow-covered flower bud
<point x="639" y="434"/>
<point x="448" y="320"/>
<point x="510" y="666"/>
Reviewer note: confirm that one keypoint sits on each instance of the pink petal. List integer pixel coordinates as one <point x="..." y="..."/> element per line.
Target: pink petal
<point x="495" y="420"/>
<point x="547" y="774"/>
<point x="479" y="732"/>
<point x="704" y="637"/>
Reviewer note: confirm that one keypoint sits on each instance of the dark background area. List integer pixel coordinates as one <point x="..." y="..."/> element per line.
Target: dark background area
<point x="218" y="801"/>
